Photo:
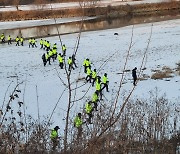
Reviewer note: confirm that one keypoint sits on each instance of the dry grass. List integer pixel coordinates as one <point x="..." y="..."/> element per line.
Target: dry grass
<point x="165" y="73"/>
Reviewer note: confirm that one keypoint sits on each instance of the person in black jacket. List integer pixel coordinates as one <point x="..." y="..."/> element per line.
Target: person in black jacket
<point x="73" y="60"/>
<point x="44" y="59"/>
<point x="134" y="75"/>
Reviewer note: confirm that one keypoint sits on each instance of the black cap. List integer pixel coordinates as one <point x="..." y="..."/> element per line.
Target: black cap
<point x="79" y="114"/>
<point x="56" y="128"/>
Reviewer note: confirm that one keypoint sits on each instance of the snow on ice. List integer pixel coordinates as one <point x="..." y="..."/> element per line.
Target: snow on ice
<point x="26" y="63"/>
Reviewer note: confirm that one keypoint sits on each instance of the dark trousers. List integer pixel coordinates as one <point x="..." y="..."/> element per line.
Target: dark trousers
<point x="85" y="69"/>
<point x="3" y="40"/>
<point x="61" y="65"/>
<point x="93" y="81"/>
<point x="74" y="63"/>
<point x="105" y="85"/>
<point x="48" y="48"/>
<point x="17" y="43"/>
<point x="49" y="60"/>
<point x="88" y="78"/>
<point x="55" y="143"/>
<point x="64" y="52"/>
<point x="70" y="67"/>
<point x="89" y="117"/>
<point x="44" y="62"/>
<point x="34" y="45"/>
<point x="95" y="106"/>
<point x="134" y="80"/>
<point x="9" y="42"/>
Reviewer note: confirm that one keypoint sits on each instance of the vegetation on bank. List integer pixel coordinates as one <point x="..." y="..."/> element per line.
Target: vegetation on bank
<point x="145" y="126"/>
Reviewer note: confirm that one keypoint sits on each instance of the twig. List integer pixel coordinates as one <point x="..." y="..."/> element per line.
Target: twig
<point x="5" y="94"/>
<point x="55" y="106"/>
<point x="38" y="106"/>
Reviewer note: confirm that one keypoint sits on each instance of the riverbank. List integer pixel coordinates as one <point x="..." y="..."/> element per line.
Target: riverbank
<point x="104" y="8"/>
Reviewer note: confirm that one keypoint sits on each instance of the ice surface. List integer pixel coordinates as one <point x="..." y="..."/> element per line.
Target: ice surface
<point x="26" y="63"/>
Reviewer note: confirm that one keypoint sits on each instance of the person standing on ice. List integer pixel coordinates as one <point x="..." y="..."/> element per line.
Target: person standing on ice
<point x="94" y="76"/>
<point x="33" y="42"/>
<point x="134" y="76"/>
<point x="54" y="137"/>
<point x="44" y="59"/>
<point x="74" y="60"/>
<point x="48" y="58"/>
<point x="17" y="41"/>
<point x="86" y="64"/>
<point x="89" y="74"/>
<point x="64" y="50"/>
<point x="2" y="38"/>
<point x="30" y="42"/>
<point x="41" y="43"/>
<point x="95" y="99"/>
<point x="61" y="60"/>
<point x="98" y="87"/>
<point x="89" y="110"/>
<point x="78" y="124"/>
<point x="9" y="40"/>
<point x="105" y="82"/>
<point x="70" y="63"/>
<point x="22" y="41"/>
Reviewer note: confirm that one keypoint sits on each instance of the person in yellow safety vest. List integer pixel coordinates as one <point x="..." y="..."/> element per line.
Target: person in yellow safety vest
<point x="94" y="76"/>
<point x="70" y="64"/>
<point x="2" y="38"/>
<point x="50" y="54"/>
<point x="17" y="41"/>
<point x="41" y="43"/>
<point x="9" y="40"/>
<point x="30" y="42"/>
<point x="61" y="60"/>
<point x="48" y="45"/>
<point x="64" y="50"/>
<point x="98" y="86"/>
<point x="54" y="46"/>
<point x="89" y="74"/>
<point x="54" y="137"/>
<point x="54" y="50"/>
<point x="89" y="109"/>
<point x="33" y="42"/>
<point x="78" y="124"/>
<point x="22" y="41"/>
<point x="48" y="58"/>
<point x="105" y="82"/>
<point x="86" y="64"/>
<point x="95" y="99"/>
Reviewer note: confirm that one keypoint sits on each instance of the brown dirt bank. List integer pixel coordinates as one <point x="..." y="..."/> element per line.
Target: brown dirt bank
<point x="109" y="11"/>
